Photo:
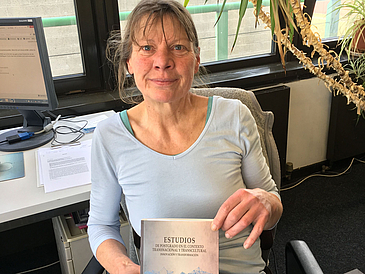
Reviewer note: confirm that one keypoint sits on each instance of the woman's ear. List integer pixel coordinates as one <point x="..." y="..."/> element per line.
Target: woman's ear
<point x="197" y="63"/>
<point x="129" y="67"/>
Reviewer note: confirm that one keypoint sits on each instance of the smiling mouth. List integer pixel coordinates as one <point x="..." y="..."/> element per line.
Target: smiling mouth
<point x="163" y="82"/>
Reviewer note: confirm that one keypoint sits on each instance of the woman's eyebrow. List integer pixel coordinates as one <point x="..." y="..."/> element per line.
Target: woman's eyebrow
<point x="175" y="40"/>
<point x="144" y="40"/>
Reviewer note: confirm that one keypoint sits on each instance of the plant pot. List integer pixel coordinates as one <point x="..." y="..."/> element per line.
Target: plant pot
<point x="358" y="42"/>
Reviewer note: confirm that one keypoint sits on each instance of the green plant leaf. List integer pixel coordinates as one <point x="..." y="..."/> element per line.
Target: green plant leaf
<point x="276" y="28"/>
<point x="220" y="14"/>
<point x="258" y="7"/>
<point x="290" y="23"/>
<point x="186" y="2"/>
<point x="272" y="19"/>
<point x="242" y="10"/>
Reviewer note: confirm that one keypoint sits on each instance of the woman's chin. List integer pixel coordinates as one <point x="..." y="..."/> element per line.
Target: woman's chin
<point x="165" y="95"/>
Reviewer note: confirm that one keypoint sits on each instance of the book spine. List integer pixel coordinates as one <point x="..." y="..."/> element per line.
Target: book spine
<point x="142" y="246"/>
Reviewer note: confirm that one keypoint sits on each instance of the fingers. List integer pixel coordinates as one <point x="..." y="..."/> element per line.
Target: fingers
<point x="255" y="234"/>
<point x="239" y="211"/>
<point x="225" y="209"/>
<point x="239" y="225"/>
<point x="249" y="218"/>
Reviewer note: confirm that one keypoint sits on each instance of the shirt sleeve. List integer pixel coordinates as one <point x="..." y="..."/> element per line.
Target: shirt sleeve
<point x="105" y="195"/>
<point x="255" y="171"/>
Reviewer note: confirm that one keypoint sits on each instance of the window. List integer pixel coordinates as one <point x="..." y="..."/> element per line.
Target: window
<point x="60" y="28"/>
<point x="77" y="30"/>
<point x="71" y="40"/>
<point x="327" y="22"/>
<point x="216" y="42"/>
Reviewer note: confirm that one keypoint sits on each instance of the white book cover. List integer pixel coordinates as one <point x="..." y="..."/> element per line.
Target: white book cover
<point x="179" y="246"/>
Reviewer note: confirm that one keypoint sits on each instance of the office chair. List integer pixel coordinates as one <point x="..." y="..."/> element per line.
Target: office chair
<point x="299" y="259"/>
<point x="264" y="121"/>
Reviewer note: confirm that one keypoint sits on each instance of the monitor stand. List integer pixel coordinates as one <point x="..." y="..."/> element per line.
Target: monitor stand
<point x="34" y="121"/>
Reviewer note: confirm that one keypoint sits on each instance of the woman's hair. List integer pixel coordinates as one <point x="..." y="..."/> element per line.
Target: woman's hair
<point x="119" y="49"/>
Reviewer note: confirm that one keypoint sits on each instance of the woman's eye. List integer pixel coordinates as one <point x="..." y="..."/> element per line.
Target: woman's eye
<point x="146" y="48"/>
<point x="178" y="47"/>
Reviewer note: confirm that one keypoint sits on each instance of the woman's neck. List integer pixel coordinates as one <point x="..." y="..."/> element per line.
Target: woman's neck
<point x="169" y="129"/>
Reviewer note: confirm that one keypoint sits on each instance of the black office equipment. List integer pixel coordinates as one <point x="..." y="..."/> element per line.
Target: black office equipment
<point x="26" y="80"/>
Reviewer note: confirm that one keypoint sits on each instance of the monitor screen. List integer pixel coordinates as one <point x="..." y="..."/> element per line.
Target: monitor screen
<point x="26" y="79"/>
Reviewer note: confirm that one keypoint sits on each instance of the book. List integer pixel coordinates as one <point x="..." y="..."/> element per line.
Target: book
<point x="179" y="246"/>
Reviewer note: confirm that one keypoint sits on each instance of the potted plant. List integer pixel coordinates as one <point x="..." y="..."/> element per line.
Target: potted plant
<point x="356" y="67"/>
<point x="353" y="41"/>
<point x="291" y="9"/>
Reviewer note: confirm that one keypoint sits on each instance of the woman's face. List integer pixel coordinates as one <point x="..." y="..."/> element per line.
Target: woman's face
<point x="163" y="61"/>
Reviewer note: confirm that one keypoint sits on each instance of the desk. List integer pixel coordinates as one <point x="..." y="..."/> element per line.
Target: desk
<point x="22" y="202"/>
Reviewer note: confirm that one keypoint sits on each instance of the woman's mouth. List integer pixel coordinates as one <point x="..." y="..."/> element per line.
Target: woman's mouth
<point x="163" y="81"/>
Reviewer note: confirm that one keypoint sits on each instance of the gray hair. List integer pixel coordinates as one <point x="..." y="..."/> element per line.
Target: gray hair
<point x="119" y="49"/>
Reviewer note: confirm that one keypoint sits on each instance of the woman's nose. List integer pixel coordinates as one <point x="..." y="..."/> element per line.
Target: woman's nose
<point x="163" y="59"/>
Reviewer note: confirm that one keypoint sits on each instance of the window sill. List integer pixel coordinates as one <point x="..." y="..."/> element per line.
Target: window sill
<point x="90" y="102"/>
<point x="264" y="75"/>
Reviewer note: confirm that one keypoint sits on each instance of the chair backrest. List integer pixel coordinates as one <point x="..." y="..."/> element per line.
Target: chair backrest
<point x="264" y="121"/>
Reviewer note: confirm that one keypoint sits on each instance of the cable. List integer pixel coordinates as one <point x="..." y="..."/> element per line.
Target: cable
<point x="66" y="130"/>
<point x="59" y="130"/>
<point x="3" y="141"/>
<point x="323" y="175"/>
<point x="361" y="161"/>
<point x="21" y="136"/>
<point x="318" y="175"/>
<point x="39" y="268"/>
<point x="64" y="117"/>
<point x="48" y="127"/>
<point x="15" y="138"/>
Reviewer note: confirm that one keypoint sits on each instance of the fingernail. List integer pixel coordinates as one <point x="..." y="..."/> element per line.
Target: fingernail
<point x="213" y="227"/>
<point x="228" y="236"/>
<point x="245" y="245"/>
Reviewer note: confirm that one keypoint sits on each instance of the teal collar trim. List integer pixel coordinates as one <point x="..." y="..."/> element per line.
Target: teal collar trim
<point x="124" y="116"/>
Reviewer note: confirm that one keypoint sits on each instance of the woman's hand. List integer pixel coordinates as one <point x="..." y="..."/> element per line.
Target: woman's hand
<point x="128" y="267"/>
<point x="112" y="255"/>
<point x="245" y="207"/>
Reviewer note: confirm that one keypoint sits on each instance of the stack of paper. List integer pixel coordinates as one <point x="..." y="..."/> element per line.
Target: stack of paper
<point x="65" y="166"/>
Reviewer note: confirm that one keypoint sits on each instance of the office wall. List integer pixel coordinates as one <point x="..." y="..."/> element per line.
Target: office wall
<point x="309" y="112"/>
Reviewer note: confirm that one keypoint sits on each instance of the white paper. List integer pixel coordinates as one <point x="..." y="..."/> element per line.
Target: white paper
<point x="92" y="122"/>
<point x="64" y="167"/>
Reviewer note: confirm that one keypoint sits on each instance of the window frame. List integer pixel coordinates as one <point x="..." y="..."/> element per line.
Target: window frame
<point x="92" y="77"/>
<point x="332" y="44"/>
<point x="96" y="18"/>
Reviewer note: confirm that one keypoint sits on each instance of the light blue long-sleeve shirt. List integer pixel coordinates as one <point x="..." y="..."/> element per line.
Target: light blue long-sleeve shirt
<point x="227" y="156"/>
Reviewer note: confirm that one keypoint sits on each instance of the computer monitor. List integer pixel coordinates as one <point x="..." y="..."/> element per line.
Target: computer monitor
<point x="26" y="79"/>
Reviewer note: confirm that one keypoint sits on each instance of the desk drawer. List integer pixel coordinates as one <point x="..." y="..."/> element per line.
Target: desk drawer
<point x="72" y="245"/>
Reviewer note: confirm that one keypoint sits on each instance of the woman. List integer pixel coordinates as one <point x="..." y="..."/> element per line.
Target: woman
<point x="177" y="154"/>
